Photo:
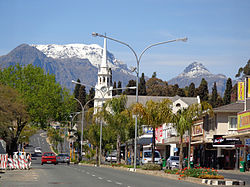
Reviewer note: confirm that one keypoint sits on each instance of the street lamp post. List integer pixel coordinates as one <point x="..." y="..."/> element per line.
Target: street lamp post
<point x="137" y="72"/>
<point x="103" y="93"/>
<point x="81" y="124"/>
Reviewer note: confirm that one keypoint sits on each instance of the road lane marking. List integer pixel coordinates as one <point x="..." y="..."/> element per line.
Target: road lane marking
<point x="109" y="180"/>
<point x="87" y="172"/>
<point x="100" y="178"/>
<point x="118" y="183"/>
<point x="93" y="175"/>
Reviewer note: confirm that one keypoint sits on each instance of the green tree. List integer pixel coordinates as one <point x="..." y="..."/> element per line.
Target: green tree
<point x="228" y="91"/>
<point x="119" y="92"/>
<point x="203" y="90"/>
<point x="77" y="88"/>
<point x="154" y="114"/>
<point x="191" y="90"/>
<point x="81" y="98"/>
<point x="245" y="70"/>
<point x="214" y="97"/>
<point x="115" y="115"/>
<point x="131" y="83"/>
<point x="114" y="92"/>
<point x="91" y="97"/>
<point x="181" y="92"/>
<point x="44" y="98"/>
<point x="180" y="122"/>
<point x="154" y="75"/>
<point x="12" y="109"/>
<point x="142" y="85"/>
<point x="156" y="87"/>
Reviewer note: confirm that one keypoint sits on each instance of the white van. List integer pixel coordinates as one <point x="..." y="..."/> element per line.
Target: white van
<point x="147" y="157"/>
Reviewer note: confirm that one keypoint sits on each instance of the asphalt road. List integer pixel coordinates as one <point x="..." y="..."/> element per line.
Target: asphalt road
<point x="77" y="175"/>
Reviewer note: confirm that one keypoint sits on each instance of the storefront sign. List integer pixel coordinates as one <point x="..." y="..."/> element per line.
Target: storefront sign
<point x="197" y="130"/>
<point x="241" y="91"/>
<point x="219" y="141"/>
<point x="158" y="134"/>
<point x="243" y="122"/>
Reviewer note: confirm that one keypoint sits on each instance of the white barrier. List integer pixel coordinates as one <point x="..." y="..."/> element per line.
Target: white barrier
<point x="3" y="161"/>
<point x="17" y="162"/>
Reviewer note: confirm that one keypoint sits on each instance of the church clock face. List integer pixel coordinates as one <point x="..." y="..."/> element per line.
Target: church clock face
<point x="104" y="89"/>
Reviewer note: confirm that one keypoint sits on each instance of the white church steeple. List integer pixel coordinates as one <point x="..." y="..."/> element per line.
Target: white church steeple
<point x="104" y="80"/>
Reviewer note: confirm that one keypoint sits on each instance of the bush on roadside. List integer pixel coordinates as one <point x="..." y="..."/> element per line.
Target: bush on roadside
<point x="204" y="173"/>
<point x="169" y="171"/>
<point x="151" y="167"/>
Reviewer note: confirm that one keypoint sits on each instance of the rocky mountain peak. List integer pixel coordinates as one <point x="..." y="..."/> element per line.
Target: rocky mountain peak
<point x="195" y="69"/>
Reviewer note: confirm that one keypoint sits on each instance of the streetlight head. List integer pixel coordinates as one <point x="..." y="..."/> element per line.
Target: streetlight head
<point x="94" y="34"/>
<point x="185" y="39"/>
<point x="74" y="82"/>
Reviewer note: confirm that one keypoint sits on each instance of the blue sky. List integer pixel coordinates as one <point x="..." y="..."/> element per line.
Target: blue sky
<point x="218" y="31"/>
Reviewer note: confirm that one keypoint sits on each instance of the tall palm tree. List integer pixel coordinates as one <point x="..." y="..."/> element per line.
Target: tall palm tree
<point x="116" y="116"/>
<point x="180" y="122"/>
<point x="154" y="114"/>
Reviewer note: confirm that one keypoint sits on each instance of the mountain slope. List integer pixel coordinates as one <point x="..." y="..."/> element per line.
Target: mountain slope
<point x="194" y="73"/>
<point x="65" y="68"/>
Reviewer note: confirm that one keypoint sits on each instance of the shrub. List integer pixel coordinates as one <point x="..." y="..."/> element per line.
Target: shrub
<point x="169" y="171"/>
<point x="151" y="167"/>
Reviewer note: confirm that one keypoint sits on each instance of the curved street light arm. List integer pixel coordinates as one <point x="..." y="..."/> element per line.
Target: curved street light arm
<point x="160" y="43"/>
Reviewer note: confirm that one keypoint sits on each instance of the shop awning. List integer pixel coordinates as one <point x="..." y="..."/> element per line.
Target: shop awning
<point x="240" y="135"/>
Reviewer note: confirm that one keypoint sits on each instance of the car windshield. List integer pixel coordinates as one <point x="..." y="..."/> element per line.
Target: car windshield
<point x="48" y="154"/>
<point x="149" y="154"/>
<point x="174" y="158"/>
<point x="63" y="154"/>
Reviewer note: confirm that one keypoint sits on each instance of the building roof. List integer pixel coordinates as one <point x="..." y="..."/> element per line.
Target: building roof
<point x="233" y="107"/>
<point x="131" y="99"/>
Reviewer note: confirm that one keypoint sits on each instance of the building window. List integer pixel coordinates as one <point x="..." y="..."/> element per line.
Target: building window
<point x="232" y="121"/>
<point x="104" y="79"/>
<point x="100" y="80"/>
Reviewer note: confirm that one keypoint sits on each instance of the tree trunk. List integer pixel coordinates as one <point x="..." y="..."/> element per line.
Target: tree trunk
<point x="189" y="146"/>
<point x="181" y="153"/>
<point x="118" y="148"/>
<point x="153" y="147"/>
<point x="126" y="153"/>
<point x="97" y="161"/>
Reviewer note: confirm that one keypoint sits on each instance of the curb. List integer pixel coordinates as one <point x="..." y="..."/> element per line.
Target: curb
<point x="223" y="182"/>
<point x="228" y="182"/>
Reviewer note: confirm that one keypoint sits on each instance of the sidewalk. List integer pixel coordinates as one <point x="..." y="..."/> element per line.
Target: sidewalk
<point x="234" y="172"/>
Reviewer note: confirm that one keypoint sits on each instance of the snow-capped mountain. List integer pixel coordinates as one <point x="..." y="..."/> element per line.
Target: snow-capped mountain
<point x="91" y="52"/>
<point x="194" y="73"/>
<point x="68" y="62"/>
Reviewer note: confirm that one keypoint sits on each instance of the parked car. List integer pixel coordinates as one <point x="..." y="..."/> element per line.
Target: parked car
<point x="48" y="158"/>
<point x="63" y="158"/>
<point x="147" y="157"/>
<point x="111" y="157"/>
<point x="38" y="150"/>
<point x="173" y="162"/>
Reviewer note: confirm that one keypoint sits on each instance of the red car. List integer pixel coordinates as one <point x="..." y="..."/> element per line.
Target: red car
<point x="48" y="158"/>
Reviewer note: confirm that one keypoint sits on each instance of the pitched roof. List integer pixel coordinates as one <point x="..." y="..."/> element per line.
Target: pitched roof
<point x="233" y="107"/>
<point x="131" y="99"/>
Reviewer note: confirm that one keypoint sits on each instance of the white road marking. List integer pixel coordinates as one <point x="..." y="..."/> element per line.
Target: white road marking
<point x="87" y="172"/>
<point x="93" y="175"/>
<point x="109" y="180"/>
<point x="118" y="183"/>
<point x="100" y="178"/>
